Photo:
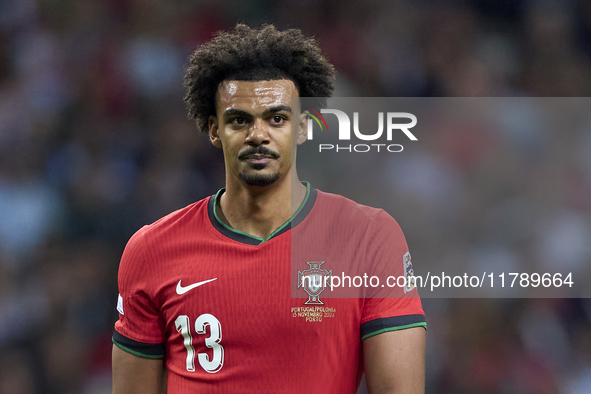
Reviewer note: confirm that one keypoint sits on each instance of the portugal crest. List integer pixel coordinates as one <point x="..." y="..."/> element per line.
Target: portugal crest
<point x="314" y="280"/>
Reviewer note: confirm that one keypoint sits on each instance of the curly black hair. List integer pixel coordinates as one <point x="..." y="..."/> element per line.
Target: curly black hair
<point x="246" y="54"/>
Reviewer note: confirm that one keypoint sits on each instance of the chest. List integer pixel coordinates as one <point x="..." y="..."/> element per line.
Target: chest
<point x="252" y="294"/>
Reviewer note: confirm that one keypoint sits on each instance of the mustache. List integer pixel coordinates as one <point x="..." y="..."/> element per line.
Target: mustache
<point x="258" y="151"/>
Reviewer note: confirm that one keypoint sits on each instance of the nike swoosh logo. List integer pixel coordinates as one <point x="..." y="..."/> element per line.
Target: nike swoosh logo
<point x="182" y="290"/>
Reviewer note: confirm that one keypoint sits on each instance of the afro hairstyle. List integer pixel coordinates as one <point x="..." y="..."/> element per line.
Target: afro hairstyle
<point x="246" y="54"/>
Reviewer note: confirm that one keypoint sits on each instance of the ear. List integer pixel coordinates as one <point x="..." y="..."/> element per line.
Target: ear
<point x="303" y="129"/>
<point x="213" y="132"/>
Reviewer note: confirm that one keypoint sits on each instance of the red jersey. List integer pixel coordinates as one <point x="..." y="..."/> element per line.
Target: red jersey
<point x="228" y="313"/>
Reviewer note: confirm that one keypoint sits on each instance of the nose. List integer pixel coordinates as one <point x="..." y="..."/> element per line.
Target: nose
<point x="258" y="133"/>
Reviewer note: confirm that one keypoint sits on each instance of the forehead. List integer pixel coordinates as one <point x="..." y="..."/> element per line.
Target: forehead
<point x="254" y="95"/>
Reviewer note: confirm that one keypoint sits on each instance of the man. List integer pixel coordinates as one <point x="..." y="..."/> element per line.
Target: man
<point x="205" y="303"/>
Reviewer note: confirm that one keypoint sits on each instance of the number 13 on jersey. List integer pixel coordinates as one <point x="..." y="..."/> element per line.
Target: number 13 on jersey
<point x="182" y="324"/>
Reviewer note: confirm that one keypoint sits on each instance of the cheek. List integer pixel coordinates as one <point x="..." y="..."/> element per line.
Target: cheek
<point x="292" y="146"/>
<point x="231" y="146"/>
<point x="289" y="154"/>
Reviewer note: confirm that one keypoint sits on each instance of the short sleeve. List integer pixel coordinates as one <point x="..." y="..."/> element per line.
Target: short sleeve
<point x="140" y="328"/>
<point x="395" y="305"/>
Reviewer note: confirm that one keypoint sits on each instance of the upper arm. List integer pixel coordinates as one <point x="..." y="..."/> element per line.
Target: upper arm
<point x="139" y="329"/>
<point x="393" y="323"/>
<point x="395" y="361"/>
<point x="133" y="374"/>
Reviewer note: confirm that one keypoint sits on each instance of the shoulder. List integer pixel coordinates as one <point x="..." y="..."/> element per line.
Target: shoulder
<point x="153" y="241"/>
<point x="343" y="209"/>
<point x="193" y="215"/>
<point x="355" y="223"/>
<point x="175" y="225"/>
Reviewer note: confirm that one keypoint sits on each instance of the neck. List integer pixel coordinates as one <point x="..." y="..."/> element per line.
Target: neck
<point x="260" y="210"/>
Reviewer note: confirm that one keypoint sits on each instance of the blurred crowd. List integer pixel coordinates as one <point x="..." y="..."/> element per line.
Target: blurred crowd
<point x="95" y="143"/>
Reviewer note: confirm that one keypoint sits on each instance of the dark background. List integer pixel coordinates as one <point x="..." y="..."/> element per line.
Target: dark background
<point x="94" y="143"/>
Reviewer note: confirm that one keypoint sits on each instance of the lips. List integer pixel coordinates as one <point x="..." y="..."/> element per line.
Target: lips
<point x="258" y="157"/>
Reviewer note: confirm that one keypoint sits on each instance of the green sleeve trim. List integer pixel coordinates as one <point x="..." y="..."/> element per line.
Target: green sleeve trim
<point x="136" y="353"/>
<point x="383" y="330"/>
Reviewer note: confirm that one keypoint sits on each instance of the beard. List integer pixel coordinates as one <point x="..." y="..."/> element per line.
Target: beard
<point x="259" y="179"/>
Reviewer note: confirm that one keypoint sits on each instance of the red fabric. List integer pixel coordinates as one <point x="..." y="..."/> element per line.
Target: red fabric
<point x="269" y="342"/>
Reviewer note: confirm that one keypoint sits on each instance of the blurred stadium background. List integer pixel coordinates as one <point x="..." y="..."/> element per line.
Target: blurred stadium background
<point x="94" y="143"/>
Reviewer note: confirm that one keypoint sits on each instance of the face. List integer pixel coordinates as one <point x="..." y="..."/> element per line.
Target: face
<point x="253" y="126"/>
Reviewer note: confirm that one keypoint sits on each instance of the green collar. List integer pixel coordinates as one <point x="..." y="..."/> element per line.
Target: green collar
<point x="243" y="237"/>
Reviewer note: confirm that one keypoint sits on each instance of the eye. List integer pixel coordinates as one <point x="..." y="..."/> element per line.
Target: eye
<point x="277" y="119"/>
<point x="239" y="121"/>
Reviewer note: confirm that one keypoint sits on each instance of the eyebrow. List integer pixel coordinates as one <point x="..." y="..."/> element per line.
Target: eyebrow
<point x="272" y="110"/>
<point x="278" y="108"/>
<point x="236" y="112"/>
